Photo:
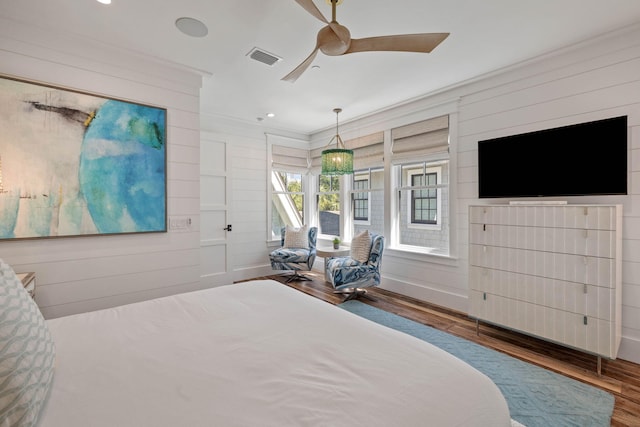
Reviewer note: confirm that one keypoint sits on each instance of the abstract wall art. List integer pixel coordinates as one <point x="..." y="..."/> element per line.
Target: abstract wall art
<point x="76" y="164"/>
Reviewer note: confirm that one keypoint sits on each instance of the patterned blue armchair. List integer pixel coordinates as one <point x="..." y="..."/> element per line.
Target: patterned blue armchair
<point x="295" y="258"/>
<point x="350" y="276"/>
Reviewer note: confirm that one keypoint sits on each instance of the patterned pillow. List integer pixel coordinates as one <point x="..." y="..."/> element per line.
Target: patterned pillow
<point x="296" y="237"/>
<point x="27" y="353"/>
<point x="361" y="246"/>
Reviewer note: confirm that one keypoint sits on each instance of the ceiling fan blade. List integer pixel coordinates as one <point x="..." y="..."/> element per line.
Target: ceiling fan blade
<point x="310" y="7"/>
<point x="297" y="72"/>
<point x="403" y="43"/>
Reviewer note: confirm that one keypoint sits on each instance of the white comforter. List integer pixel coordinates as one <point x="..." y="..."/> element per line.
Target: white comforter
<point x="256" y="354"/>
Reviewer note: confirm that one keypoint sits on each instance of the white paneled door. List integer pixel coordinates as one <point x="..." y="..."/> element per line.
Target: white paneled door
<point x="216" y="228"/>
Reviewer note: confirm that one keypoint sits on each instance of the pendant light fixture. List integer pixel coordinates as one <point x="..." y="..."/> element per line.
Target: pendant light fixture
<point x="339" y="160"/>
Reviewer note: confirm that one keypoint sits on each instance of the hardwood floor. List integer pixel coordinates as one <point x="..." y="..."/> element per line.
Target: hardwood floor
<point x="619" y="377"/>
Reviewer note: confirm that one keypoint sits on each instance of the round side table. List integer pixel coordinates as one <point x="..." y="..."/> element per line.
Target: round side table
<point x="329" y="252"/>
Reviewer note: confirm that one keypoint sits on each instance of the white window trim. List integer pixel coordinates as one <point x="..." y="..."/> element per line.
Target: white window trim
<point x="438" y="225"/>
<point x="392" y="186"/>
<point x="392" y="217"/>
<point x="362" y="177"/>
<point x="361" y="222"/>
<point x="399" y="177"/>
<point x="316" y="201"/>
<point x="273" y="139"/>
<point x="303" y="183"/>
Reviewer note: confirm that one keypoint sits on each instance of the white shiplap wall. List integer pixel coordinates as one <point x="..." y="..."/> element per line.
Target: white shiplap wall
<point x="598" y="80"/>
<point x="248" y="164"/>
<point x="87" y="273"/>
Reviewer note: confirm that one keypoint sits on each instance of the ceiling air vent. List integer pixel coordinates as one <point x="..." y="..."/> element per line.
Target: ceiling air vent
<point x="263" y="56"/>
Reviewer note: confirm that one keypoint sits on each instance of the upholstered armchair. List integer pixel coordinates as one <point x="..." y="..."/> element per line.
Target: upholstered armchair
<point x="298" y="251"/>
<point x="350" y="276"/>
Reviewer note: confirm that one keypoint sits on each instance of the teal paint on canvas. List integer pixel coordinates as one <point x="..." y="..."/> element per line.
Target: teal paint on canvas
<point x="75" y="164"/>
<point x="8" y="214"/>
<point x="122" y="168"/>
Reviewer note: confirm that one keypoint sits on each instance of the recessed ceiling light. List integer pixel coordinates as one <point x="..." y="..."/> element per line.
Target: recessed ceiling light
<point x="104" y="1"/>
<point x="271" y="115"/>
<point x="192" y="27"/>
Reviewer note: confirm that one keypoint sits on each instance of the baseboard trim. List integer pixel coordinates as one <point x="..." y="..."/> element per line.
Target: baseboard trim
<point x="425" y="293"/>
<point x="629" y="350"/>
<point x="247" y="273"/>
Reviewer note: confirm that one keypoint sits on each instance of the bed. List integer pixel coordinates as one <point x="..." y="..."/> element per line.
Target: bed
<point x="255" y="354"/>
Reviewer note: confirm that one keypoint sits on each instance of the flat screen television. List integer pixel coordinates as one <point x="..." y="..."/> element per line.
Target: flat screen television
<point x="582" y="159"/>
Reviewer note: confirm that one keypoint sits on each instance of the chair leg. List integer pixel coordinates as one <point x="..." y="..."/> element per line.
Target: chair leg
<point x="366" y="295"/>
<point x="354" y="293"/>
<point x="297" y="276"/>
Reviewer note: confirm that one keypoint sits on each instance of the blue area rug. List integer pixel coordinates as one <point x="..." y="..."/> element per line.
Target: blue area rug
<point x="536" y="397"/>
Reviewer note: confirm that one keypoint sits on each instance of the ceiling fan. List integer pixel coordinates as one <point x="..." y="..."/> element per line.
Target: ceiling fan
<point x="335" y="40"/>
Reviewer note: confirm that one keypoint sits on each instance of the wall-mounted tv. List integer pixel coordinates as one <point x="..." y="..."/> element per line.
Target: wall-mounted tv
<point x="576" y="160"/>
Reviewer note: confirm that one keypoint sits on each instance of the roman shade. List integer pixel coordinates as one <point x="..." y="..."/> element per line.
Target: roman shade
<point x="420" y="139"/>
<point x="289" y="158"/>
<point x="368" y="151"/>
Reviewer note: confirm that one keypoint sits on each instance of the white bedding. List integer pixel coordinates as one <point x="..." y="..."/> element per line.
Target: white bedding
<point x="256" y="354"/>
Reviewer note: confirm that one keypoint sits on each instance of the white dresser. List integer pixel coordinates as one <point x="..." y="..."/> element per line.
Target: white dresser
<point x="552" y="271"/>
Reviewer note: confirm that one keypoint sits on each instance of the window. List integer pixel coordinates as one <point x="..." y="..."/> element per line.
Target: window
<point x="289" y="166"/>
<point x="422" y="206"/>
<point x="287" y="201"/>
<point x="414" y="214"/>
<point x="424" y="201"/>
<point x="420" y="158"/>
<point x="360" y="199"/>
<point x="328" y="202"/>
<point x="367" y="198"/>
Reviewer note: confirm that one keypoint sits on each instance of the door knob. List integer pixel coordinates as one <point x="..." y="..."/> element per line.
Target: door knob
<point x="227" y="228"/>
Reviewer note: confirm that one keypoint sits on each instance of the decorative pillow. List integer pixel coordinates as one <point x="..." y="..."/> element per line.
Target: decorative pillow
<point x="296" y="237"/>
<point x="27" y="353"/>
<point x="361" y="246"/>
